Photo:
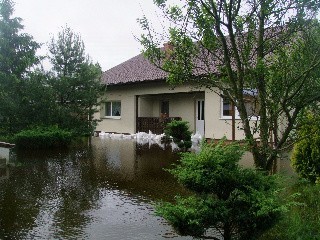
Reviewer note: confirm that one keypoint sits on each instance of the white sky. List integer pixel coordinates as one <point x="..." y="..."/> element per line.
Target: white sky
<point x="107" y="27"/>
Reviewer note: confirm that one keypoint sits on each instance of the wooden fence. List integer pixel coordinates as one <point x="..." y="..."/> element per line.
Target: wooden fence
<point x="154" y="124"/>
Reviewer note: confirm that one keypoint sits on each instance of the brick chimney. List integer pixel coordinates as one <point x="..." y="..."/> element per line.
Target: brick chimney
<point x="168" y="48"/>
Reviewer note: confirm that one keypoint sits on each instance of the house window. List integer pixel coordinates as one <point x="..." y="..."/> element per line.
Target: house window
<point x="200" y="109"/>
<point x="226" y="109"/>
<point x="164" y="108"/>
<point x="113" y="109"/>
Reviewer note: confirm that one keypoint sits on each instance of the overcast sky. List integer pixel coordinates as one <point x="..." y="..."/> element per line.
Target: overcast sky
<point x="107" y="27"/>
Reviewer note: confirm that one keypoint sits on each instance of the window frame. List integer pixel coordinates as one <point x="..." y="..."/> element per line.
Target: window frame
<point x="111" y="104"/>
<point x="227" y="117"/>
<point x="237" y="115"/>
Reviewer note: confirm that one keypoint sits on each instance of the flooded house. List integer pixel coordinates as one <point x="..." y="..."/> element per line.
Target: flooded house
<point x="138" y="99"/>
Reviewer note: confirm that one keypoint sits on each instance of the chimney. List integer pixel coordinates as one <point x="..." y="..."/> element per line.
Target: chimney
<point x="168" y="48"/>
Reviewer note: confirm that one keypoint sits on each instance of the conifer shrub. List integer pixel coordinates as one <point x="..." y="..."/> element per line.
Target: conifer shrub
<point x="43" y="137"/>
<point x="306" y="154"/>
<point x="239" y="203"/>
<point x="179" y="131"/>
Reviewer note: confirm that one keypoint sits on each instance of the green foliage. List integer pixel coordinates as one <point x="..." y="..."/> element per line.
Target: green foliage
<point x="75" y="82"/>
<point x="239" y="202"/>
<point x="43" y="137"/>
<point x="230" y="46"/>
<point x="302" y="220"/>
<point x="179" y="131"/>
<point x="17" y="50"/>
<point x="76" y="99"/>
<point x="17" y="57"/>
<point x="306" y="154"/>
<point x="187" y="215"/>
<point x="29" y="97"/>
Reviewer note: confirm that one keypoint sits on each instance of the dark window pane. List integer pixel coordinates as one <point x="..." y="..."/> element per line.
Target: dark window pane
<point x="226" y="107"/>
<point x="113" y="109"/>
<point x="116" y="108"/>
<point x="202" y="112"/>
<point x="165" y="107"/>
<point x="108" y="108"/>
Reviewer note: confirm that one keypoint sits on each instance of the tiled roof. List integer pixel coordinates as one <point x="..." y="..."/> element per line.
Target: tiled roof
<point x="136" y="69"/>
<point x="139" y="69"/>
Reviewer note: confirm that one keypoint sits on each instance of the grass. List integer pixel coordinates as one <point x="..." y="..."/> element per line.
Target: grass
<point x="302" y="221"/>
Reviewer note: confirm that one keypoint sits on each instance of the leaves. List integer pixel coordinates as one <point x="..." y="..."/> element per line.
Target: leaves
<point x="75" y="83"/>
<point x="17" y="58"/>
<point x="231" y="46"/>
<point x="237" y="201"/>
<point x="306" y="154"/>
<point x="29" y="96"/>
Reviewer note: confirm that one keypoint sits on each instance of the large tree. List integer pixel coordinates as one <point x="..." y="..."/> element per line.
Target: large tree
<point x="271" y="47"/>
<point x="75" y="81"/>
<point x="17" y="58"/>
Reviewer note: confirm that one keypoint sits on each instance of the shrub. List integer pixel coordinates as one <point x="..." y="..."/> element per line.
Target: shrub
<point x="179" y="131"/>
<point x="43" y="137"/>
<point x="239" y="202"/>
<point x="306" y="154"/>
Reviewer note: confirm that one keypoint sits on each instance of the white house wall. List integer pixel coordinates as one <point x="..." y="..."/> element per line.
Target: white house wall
<point x="127" y="121"/>
<point x="127" y="95"/>
<point x="215" y="126"/>
<point x="145" y="104"/>
<point x="184" y="107"/>
<point x="180" y="105"/>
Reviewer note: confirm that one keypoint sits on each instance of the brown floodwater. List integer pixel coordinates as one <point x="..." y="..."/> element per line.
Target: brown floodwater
<point x="106" y="190"/>
<point x="103" y="191"/>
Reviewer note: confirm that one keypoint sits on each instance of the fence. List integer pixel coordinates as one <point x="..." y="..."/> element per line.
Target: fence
<point x="154" y="124"/>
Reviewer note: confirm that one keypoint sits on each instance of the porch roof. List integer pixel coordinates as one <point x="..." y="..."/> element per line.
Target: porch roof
<point x="136" y="69"/>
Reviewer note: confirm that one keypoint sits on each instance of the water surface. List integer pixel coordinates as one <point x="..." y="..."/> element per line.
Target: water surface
<point x="103" y="191"/>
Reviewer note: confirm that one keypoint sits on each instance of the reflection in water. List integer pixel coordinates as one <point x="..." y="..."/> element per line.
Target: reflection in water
<point x="105" y="191"/>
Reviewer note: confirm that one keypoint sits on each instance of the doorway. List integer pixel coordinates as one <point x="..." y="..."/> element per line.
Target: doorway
<point x="200" y="116"/>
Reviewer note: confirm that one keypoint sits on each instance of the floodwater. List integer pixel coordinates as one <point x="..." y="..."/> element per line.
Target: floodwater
<point x="103" y="191"/>
<point x="106" y="190"/>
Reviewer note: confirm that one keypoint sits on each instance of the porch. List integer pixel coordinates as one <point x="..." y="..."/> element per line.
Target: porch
<point x="154" y="111"/>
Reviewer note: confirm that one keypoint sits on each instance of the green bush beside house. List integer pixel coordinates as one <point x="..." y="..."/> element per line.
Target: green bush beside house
<point x="179" y="131"/>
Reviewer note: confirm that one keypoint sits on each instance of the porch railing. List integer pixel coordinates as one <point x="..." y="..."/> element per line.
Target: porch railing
<point x="154" y="124"/>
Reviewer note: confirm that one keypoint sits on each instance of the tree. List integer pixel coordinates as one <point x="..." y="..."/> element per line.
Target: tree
<point x="238" y="202"/>
<point x="39" y="106"/>
<point x="75" y="81"/>
<point x="17" y="58"/>
<point x="270" y="47"/>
